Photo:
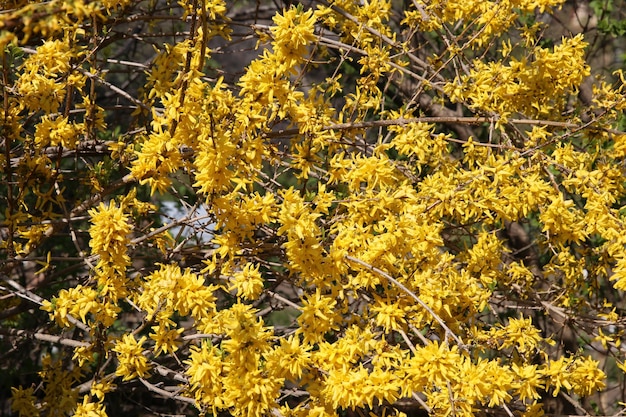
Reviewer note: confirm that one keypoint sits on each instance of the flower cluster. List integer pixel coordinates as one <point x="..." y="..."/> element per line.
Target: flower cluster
<point x="388" y="202"/>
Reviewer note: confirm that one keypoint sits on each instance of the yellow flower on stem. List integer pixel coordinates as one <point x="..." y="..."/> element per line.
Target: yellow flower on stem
<point x="132" y="362"/>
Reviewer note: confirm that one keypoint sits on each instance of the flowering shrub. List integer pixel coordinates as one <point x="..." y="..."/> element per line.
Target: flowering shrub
<point x="392" y="209"/>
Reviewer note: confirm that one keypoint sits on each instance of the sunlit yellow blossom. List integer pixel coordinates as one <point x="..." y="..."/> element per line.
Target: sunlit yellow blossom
<point x="248" y="282"/>
<point x="290" y="359"/>
<point x="206" y="371"/>
<point x="131" y="361"/>
<point x="166" y="340"/>
<point x="90" y="409"/>
<point x="587" y="377"/>
<point x="58" y="132"/>
<point x="389" y="315"/>
<point x="319" y="315"/>
<point x="76" y="302"/>
<point x="101" y="388"/>
<point x="292" y="32"/>
<point x="384" y="200"/>
<point x="557" y="375"/>
<point x="434" y="363"/>
<point x="349" y="388"/>
<point x="244" y="329"/>
<point x="529" y="381"/>
<point x="490" y="86"/>
<point x="253" y="393"/>
<point x="170" y="289"/>
<point x="519" y="333"/>
<point x="109" y="234"/>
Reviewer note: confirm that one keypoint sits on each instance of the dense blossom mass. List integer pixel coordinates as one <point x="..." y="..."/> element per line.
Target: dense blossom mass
<point x="392" y="203"/>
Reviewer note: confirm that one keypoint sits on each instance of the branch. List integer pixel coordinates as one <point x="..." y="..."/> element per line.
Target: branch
<point x="45" y="337"/>
<point x="166" y="394"/>
<point x="575" y="403"/>
<point x="437" y="119"/>
<point x="22" y="292"/>
<point x="411" y="294"/>
<point x="115" y="89"/>
<point x="163" y="371"/>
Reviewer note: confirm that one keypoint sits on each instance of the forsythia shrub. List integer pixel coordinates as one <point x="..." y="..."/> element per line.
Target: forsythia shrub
<point x="394" y="208"/>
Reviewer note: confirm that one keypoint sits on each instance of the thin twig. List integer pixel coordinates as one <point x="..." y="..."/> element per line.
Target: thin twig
<point x="115" y="89"/>
<point x="165" y="393"/>
<point x="410" y="294"/>
<point x="421" y="402"/>
<point x="45" y="337"/>
<point x="407" y="341"/>
<point x="435" y="119"/>
<point x="35" y="299"/>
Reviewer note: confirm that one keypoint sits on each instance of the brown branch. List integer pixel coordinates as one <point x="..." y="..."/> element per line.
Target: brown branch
<point x="167" y="394"/>
<point x="163" y="371"/>
<point x="411" y="294"/>
<point x="44" y="337"/>
<point x="115" y="89"/>
<point x="433" y="119"/>
<point x="24" y="293"/>
<point x="422" y="64"/>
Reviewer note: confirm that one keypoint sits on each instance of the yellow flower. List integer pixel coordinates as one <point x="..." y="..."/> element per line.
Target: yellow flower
<point x="529" y="381"/>
<point x="520" y="333"/>
<point x="319" y="316"/>
<point x="289" y="360"/>
<point x="390" y="315"/>
<point x="586" y="377"/>
<point x="166" y="339"/>
<point x="252" y="392"/>
<point x="89" y="409"/>
<point x="109" y="237"/>
<point x="101" y="388"/>
<point x="563" y="221"/>
<point x="557" y="374"/>
<point x="248" y="283"/>
<point x="293" y="31"/>
<point x="23" y="402"/>
<point x="206" y="375"/>
<point x="58" y="132"/>
<point x="517" y="87"/>
<point x="114" y="4"/>
<point x="351" y="388"/>
<point x="78" y="301"/>
<point x="435" y="363"/>
<point x="131" y="361"/>
<point x="245" y="330"/>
